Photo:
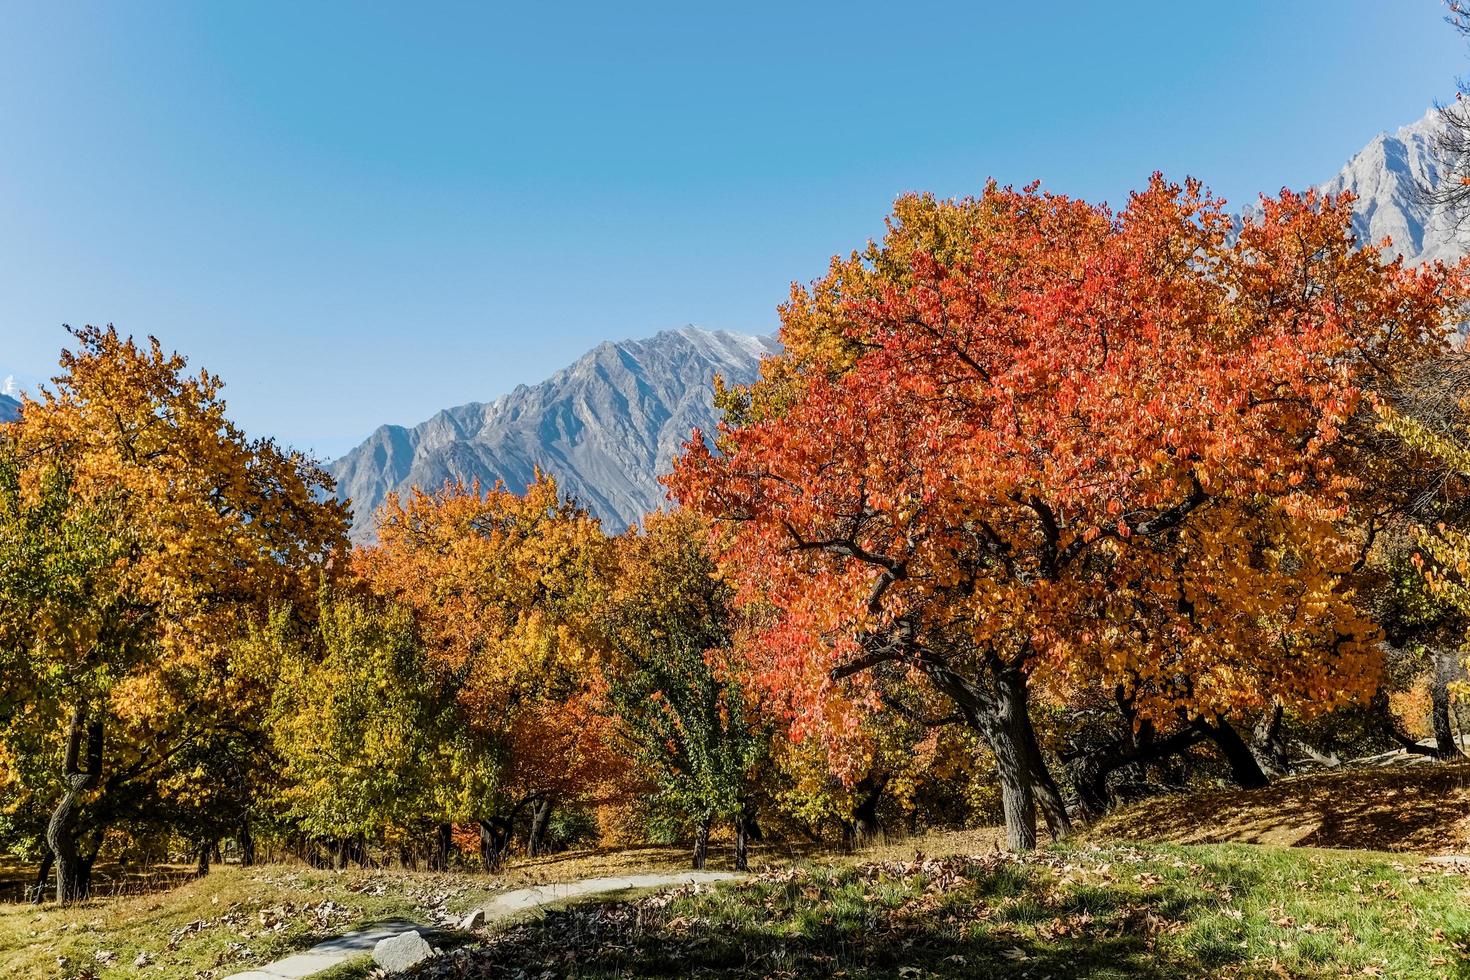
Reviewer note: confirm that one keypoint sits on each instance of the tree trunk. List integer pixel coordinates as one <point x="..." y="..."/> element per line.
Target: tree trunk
<point x="43" y="873"/>
<point x="742" y="835"/>
<point x="1244" y="768"/>
<point x="997" y="711"/>
<point x="701" y="842"/>
<point x="540" y="819"/>
<point x="247" y="844"/>
<point x="752" y="823"/>
<point x="84" y="870"/>
<point x="205" y="851"/>
<point x="443" y="843"/>
<point x="1266" y="743"/>
<point x="61" y="831"/>
<point x="1048" y="795"/>
<point x="494" y="842"/>
<point x="867" y="828"/>
<point x="1090" y="781"/>
<point x="1017" y="796"/>
<point x="1090" y="770"/>
<point x="1439" y="695"/>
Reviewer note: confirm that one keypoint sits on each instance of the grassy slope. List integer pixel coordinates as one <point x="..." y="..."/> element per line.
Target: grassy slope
<point x="229" y="921"/>
<point x="230" y="901"/>
<point x="1305" y="910"/>
<point x="1424" y="808"/>
<point x="1163" y="911"/>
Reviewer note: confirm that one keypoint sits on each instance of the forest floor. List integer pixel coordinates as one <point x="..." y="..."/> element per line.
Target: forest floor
<point x="1124" y="899"/>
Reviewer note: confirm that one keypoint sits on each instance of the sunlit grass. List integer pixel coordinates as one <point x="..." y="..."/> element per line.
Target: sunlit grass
<point x="229" y="921"/>
<point x="1166" y="911"/>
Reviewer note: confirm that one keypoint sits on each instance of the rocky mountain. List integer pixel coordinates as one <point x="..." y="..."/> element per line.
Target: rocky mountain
<point x="606" y="427"/>
<point x="9" y="409"/>
<point x="1389" y="176"/>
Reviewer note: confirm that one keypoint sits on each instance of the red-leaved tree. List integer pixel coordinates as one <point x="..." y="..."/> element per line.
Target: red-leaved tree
<point x="1047" y="443"/>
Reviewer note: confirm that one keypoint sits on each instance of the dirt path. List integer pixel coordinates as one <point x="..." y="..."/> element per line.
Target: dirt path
<point x="332" y="952"/>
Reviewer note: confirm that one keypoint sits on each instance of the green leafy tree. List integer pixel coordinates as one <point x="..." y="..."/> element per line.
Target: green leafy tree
<point x="684" y="720"/>
<point x="360" y="724"/>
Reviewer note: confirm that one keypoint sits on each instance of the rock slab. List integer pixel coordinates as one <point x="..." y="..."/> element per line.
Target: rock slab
<point x="402" y="951"/>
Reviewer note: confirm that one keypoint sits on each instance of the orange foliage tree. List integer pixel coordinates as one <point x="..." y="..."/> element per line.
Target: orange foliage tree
<point x="501" y="585"/>
<point x="1031" y="441"/>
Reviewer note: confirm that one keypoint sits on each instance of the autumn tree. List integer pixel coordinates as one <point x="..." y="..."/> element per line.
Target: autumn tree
<point x="1432" y="599"/>
<point x="195" y="531"/>
<point x="359" y="723"/>
<point x="501" y="586"/>
<point x="682" y="715"/>
<point x="1028" y="442"/>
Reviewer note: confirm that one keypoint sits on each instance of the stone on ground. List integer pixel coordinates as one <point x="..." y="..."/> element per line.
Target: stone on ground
<point x="400" y="952"/>
<point x="474" y="920"/>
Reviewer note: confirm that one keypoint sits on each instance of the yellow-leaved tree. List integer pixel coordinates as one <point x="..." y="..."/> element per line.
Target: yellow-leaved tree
<point x="158" y="532"/>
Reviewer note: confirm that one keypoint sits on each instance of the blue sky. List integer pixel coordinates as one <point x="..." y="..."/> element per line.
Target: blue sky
<point x="361" y="213"/>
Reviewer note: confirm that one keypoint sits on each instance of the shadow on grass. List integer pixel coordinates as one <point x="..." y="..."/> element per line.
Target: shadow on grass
<point x="1402" y="809"/>
<point x="995" y="922"/>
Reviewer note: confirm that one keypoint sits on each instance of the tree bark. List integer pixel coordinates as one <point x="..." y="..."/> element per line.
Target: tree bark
<point x="494" y="842"/>
<point x="997" y="712"/>
<point x="205" y="851"/>
<point x="701" y="842"/>
<point x="247" y="844"/>
<point x="867" y="828"/>
<point x="1244" y="768"/>
<point x="1439" y="696"/>
<point x="1266" y="742"/>
<point x="1017" y="795"/>
<point x="540" y="820"/>
<point x="43" y="874"/>
<point x="752" y="823"/>
<point x="443" y="843"/>
<point x="72" y="881"/>
<point x="1048" y="795"/>
<point x="742" y="843"/>
<point x="1090" y="770"/>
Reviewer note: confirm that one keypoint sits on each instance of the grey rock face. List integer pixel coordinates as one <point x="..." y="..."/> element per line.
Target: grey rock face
<point x="606" y="427"/>
<point x="9" y="409"/>
<point x="402" y="951"/>
<point x="1389" y="177"/>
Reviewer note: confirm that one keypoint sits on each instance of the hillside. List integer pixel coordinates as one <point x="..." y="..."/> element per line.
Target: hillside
<point x="1421" y="808"/>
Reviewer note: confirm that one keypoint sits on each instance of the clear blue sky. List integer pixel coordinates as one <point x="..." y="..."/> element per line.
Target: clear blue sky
<point x="362" y="213"/>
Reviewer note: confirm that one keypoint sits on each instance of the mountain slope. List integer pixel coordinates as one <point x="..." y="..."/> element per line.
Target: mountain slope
<point x="606" y="426"/>
<point x="9" y="409"/>
<point x="1388" y="176"/>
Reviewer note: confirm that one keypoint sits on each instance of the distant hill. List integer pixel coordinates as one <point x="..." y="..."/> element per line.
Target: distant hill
<point x="606" y="427"/>
<point x="9" y="409"/>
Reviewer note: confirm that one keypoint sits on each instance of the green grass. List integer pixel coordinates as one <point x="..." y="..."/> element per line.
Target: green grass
<point x="1222" y="911"/>
<point x="227" y="922"/>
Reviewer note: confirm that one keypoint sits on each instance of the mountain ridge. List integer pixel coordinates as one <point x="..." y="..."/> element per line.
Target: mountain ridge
<point x="1388" y="177"/>
<point x="605" y="426"/>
